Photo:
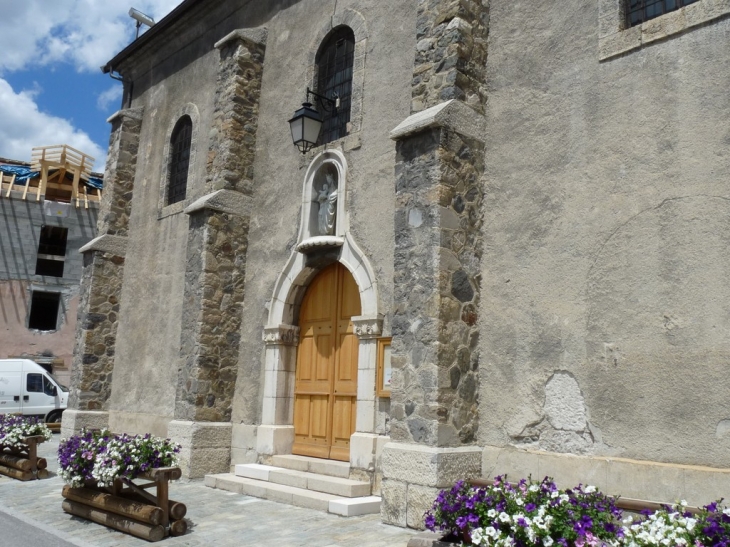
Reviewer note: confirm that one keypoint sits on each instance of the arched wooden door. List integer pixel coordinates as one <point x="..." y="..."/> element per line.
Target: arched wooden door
<point x="325" y="394"/>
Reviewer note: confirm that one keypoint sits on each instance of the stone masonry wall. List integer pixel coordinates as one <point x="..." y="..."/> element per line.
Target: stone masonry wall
<point x="218" y="238"/>
<point x="101" y="282"/>
<point x="437" y="262"/>
<point x="214" y="283"/>
<point x="101" y="287"/>
<point x="238" y="88"/>
<point x="121" y="164"/>
<point x="451" y="53"/>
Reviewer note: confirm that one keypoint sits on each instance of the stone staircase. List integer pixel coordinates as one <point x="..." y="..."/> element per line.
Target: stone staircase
<point x="299" y="480"/>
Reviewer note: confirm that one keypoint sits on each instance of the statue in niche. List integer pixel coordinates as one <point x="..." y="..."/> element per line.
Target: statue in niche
<point x="327" y="199"/>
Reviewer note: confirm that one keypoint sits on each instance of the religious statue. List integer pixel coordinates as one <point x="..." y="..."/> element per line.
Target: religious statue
<point x="327" y="199"/>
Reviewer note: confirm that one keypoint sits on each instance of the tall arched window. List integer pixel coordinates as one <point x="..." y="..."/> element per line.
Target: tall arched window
<point x="334" y="78"/>
<point x="179" y="160"/>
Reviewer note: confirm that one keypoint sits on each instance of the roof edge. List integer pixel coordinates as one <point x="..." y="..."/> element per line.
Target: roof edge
<point x="166" y="21"/>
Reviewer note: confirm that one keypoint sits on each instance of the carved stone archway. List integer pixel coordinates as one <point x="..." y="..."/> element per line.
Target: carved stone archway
<point x="281" y="335"/>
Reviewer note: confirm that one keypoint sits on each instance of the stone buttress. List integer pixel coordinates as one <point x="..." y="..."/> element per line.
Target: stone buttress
<point x="216" y="263"/>
<point x="438" y="249"/>
<point x="101" y="282"/>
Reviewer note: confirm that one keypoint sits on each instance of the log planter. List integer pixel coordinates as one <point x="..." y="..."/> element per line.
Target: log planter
<point x="22" y="462"/>
<point x="129" y="506"/>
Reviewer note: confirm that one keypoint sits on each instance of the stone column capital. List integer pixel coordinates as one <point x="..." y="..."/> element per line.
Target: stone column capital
<point x="282" y="335"/>
<point x="368" y="327"/>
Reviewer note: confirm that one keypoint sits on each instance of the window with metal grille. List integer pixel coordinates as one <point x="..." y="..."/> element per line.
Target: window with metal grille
<point x="179" y="159"/>
<point x="638" y="11"/>
<point x="334" y="80"/>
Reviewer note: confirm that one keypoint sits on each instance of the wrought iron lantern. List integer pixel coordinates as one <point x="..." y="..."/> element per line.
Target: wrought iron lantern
<point x="307" y="121"/>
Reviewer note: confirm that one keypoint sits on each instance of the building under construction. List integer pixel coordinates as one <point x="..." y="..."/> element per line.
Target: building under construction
<point x="48" y="211"/>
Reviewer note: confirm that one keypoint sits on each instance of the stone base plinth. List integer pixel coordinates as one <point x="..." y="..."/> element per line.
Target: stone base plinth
<point x="74" y="420"/>
<point x="414" y="474"/>
<point x="243" y="444"/>
<point x="647" y="480"/>
<point x="274" y="439"/>
<point x="205" y="447"/>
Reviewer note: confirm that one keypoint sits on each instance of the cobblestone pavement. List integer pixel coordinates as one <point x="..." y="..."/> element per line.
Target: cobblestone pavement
<point x="215" y="518"/>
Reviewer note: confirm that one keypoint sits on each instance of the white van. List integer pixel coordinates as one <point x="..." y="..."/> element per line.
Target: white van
<point x="26" y="388"/>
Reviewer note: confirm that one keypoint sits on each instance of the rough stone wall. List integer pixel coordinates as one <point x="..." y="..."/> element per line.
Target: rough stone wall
<point x="212" y="318"/>
<point x="235" y="119"/>
<point x="116" y="199"/>
<point x="101" y="281"/>
<point x="451" y="53"/>
<point x="218" y="243"/>
<point x="437" y="262"/>
<point x="101" y="287"/>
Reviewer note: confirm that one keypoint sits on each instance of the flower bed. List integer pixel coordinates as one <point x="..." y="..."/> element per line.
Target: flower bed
<point x="102" y="456"/>
<point x="99" y="468"/>
<point x="19" y="440"/>
<point x="14" y="429"/>
<point x="539" y="514"/>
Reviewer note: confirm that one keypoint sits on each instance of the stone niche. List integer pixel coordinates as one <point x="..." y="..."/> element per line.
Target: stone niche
<point x="324" y="215"/>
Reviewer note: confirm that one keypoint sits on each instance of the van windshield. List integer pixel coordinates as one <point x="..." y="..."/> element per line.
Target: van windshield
<point x="60" y="385"/>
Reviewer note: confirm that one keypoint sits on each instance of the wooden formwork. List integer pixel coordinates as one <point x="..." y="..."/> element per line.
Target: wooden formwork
<point x="130" y="507"/>
<point x="22" y="462"/>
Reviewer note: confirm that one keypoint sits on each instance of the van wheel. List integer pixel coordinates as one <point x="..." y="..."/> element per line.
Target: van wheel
<point x="54" y="417"/>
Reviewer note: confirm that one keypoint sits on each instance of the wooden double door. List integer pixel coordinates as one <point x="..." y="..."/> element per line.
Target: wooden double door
<point x="325" y="394"/>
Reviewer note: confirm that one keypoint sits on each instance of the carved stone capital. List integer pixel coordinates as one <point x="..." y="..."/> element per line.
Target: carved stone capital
<point x="368" y="327"/>
<point x="284" y="335"/>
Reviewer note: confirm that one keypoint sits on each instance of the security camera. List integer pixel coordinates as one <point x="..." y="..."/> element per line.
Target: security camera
<point x="141" y="18"/>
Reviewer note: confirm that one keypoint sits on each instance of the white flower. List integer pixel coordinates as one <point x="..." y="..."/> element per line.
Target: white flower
<point x="589" y="489"/>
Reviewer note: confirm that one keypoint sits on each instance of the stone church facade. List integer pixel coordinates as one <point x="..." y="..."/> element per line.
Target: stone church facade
<point x="530" y="200"/>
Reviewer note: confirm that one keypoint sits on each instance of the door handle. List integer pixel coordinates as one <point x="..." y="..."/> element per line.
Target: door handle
<point x="26" y="398"/>
<point x="16" y="398"/>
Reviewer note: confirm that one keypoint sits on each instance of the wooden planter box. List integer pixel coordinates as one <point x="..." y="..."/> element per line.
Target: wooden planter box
<point x="22" y="462"/>
<point x="129" y="507"/>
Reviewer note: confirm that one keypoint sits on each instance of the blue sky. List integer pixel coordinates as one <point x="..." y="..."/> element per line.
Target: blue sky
<point x="52" y="90"/>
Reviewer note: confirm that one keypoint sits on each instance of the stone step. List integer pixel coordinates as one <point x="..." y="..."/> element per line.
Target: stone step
<point x="346" y="507"/>
<point x="312" y="465"/>
<point x="303" y="479"/>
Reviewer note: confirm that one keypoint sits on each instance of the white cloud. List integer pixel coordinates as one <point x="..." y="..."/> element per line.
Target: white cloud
<point x="81" y="35"/>
<point x="84" y="33"/>
<point x="24" y="127"/>
<point x="110" y="98"/>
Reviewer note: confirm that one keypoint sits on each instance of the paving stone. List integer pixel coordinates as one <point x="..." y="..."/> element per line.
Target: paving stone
<point x="215" y="517"/>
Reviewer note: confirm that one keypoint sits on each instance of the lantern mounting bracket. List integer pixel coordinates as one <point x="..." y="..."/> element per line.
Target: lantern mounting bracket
<point x="327" y="104"/>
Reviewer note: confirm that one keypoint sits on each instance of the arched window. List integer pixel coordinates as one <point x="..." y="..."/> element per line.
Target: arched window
<point x="334" y="78"/>
<point x="179" y="160"/>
